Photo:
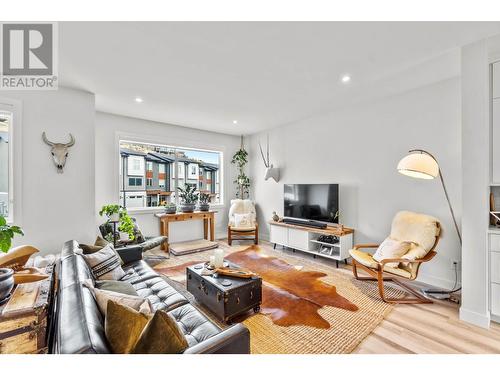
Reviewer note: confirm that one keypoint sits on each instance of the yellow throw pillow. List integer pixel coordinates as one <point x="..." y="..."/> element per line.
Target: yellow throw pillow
<point x="161" y="335"/>
<point x="123" y="327"/>
<point x="391" y="248"/>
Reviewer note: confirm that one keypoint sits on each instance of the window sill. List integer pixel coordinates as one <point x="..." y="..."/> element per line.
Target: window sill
<point x="155" y="210"/>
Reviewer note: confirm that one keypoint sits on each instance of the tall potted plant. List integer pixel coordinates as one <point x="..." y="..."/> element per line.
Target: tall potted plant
<point x="7" y="233"/>
<point x="188" y="196"/>
<point x="116" y="213"/>
<point x="240" y="159"/>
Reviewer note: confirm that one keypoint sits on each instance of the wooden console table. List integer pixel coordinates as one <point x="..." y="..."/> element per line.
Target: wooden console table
<point x="208" y="218"/>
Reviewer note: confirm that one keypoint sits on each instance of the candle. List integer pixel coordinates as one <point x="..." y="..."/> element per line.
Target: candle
<point x="219" y="258"/>
<point x="212" y="261"/>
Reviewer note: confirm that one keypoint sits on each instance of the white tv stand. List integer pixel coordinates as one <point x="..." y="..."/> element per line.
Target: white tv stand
<point x="305" y="239"/>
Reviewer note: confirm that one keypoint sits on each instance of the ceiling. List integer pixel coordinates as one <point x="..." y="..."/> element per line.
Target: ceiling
<point x="205" y="75"/>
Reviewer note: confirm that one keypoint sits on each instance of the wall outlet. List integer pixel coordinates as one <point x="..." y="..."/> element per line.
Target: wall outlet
<point x="454" y="263"/>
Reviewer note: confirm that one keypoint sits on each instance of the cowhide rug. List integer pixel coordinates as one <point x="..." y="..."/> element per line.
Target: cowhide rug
<point x="290" y="296"/>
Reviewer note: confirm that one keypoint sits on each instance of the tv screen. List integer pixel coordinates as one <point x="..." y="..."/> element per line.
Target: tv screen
<point x="318" y="202"/>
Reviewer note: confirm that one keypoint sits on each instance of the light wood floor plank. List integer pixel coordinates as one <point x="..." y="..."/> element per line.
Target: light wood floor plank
<point x="433" y="328"/>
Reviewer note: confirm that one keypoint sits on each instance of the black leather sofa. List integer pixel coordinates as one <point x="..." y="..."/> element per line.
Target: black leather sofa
<point x="79" y="325"/>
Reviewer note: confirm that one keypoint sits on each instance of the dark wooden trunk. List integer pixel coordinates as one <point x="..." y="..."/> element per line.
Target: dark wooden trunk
<point x="226" y="302"/>
<point x="24" y="324"/>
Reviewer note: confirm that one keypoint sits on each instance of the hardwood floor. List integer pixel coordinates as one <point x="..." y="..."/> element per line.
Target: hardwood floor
<point x="433" y="328"/>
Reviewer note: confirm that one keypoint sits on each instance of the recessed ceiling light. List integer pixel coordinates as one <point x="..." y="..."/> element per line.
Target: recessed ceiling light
<point x="346" y="78"/>
<point x="138" y="99"/>
<point x="235" y="122"/>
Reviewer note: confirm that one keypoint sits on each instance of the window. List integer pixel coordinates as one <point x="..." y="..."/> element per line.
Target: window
<point x="5" y="164"/>
<point x="134" y="181"/>
<point x="178" y="166"/>
<point x="135" y="166"/>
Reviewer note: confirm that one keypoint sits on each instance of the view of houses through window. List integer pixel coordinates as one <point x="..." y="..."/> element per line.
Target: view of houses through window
<point x="4" y="163"/>
<point x="150" y="174"/>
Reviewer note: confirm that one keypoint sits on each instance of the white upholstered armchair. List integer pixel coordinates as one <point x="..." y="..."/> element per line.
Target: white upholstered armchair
<point x="242" y="221"/>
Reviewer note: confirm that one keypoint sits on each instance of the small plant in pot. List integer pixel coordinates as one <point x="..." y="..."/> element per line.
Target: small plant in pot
<point x="189" y="197"/>
<point x="204" y="202"/>
<point x="7" y="233"/>
<point x="170" y="208"/>
<point x="116" y="213"/>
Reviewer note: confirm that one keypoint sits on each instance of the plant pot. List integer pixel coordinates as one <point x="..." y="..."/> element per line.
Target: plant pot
<point x="171" y="210"/>
<point x="203" y="206"/>
<point x="6" y="282"/>
<point x="187" y="207"/>
<point x="115" y="217"/>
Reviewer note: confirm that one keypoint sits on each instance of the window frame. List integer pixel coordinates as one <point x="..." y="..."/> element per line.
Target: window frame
<point x="177" y="143"/>
<point x="15" y="159"/>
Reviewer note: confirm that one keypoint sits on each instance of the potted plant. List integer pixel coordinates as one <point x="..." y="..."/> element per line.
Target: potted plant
<point x="112" y="211"/>
<point x="116" y="213"/>
<point x="188" y="196"/>
<point x="7" y="233"/>
<point x="203" y="202"/>
<point x="170" y="208"/>
<point x="240" y="159"/>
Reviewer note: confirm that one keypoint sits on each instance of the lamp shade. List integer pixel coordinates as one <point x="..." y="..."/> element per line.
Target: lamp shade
<point x="419" y="165"/>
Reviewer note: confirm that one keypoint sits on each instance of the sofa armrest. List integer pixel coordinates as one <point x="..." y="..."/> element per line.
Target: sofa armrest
<point x="130" y="253"/>
<point x="234" y="340"/>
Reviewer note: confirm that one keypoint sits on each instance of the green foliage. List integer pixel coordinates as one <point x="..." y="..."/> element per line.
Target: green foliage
<point x="7" y="233"/>
<point x="110" y="209"/>
<point x="125" y="223"/>
<point x="204" y="198"/>
<point x="170" y="205"/>
<point x="188" y="194"/>
<point x="240" y="159"/>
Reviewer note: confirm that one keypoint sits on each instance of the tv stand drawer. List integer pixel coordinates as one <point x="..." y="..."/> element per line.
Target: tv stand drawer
<point x="298" y="239"/>
<point x="279" y="235"/>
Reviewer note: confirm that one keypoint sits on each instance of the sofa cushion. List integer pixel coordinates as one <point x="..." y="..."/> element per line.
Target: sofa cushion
<point x="161" y="295"/>
<point x="123" y="327"/>
<point x="195" y="326"/>
<point x="138" y="271"/>
<point x="161" y="335"/>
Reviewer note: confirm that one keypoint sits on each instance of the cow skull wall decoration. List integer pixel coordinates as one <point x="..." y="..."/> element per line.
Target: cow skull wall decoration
<point x="271" y="172"/>
<point x="59" y="151"/>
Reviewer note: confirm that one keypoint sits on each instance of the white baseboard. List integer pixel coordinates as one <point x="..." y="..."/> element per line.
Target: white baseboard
<point x="436" y="281"/>
<point x="475" y="318"/>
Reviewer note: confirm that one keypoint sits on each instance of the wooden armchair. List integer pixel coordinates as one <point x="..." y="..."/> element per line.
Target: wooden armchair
<point x="237" y="231"/>
<point x="421" y="230"/>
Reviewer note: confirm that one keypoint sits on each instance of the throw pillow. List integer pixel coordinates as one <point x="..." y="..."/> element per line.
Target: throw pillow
<point x="105" y="264"/>
<point x="123" y="287"/>
<point x="391" y="248"/>
<point x="103" y="296"/>
<point x="161" y="335"/>
<point x="99" y="244"/>
<point x="243" y="220"/>
<point x="123" y="326"/>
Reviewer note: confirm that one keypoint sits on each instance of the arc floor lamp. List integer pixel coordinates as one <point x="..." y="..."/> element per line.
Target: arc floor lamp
<point x="422" y="164"/>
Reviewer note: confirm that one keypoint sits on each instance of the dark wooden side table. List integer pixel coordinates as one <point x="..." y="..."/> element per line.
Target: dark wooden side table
<point x="24" y="319"/>
<point x="226" y="297"/>
<point x="208" y="218"/>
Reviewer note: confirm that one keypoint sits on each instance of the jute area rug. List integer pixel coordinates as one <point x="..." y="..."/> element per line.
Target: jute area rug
<point x="347" y="328"/>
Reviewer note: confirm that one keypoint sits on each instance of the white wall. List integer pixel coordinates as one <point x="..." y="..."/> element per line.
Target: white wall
<point x="51" y="207"/>
<point x="109" y="129"/>
<point x="359" y="148"/>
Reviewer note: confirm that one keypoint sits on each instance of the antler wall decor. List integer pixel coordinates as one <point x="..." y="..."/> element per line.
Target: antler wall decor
<point x="271" y="172"/>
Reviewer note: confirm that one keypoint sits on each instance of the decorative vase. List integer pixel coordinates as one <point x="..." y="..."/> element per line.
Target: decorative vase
<point x="203" y="206"/>
<point x="170" y="209"/>
<point x="187" y="207"/>
<point x="6" y="283"/>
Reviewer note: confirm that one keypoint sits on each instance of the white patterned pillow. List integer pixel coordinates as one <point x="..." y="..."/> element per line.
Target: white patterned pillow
<point x="391" y="248"/>
<point x="243" y="220"/>
<point x="105" y="264"/>
<point x="143" y="305"/>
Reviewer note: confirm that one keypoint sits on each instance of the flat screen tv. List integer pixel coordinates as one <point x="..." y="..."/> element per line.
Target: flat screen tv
<point x="317" y="202"/>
